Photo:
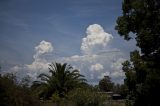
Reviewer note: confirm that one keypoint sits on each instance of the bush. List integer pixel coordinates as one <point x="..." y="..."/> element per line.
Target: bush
<point x="86" y="97"/>
<point x="14" y="94"/>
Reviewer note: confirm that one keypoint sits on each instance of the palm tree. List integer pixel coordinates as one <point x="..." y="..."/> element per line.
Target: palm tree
<point x="62" y="79"/>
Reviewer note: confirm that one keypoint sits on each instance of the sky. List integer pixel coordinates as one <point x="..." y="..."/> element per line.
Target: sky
<point x="34" y="33"/>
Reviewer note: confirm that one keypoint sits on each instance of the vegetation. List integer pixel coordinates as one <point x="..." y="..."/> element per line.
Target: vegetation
<point x="121" y="89"/>
<point x="86" y="97"/>
<point x="61" y="80"/>
<point x="63" y="86"/>
<point x="140" y="21"/>
<point x="105" y="84"/>
<point x="141" y="18"/>
<point x="14" y="93"/>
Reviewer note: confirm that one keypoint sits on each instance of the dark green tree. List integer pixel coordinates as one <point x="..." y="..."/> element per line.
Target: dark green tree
<point x="105" y="84"/>
<point x="61" y="80"/>
<point x="141" y="20"/>
<point x="14" y="94"/>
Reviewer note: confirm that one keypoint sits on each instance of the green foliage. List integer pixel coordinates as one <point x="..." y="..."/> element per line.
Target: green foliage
<point x="61" y="80"/>
<point x="142" y="19"/>
<point x="86" y="97"/>
<point x="55" y="97"/>
<point x="105" y="84"/>
<point x="14" y="94"/>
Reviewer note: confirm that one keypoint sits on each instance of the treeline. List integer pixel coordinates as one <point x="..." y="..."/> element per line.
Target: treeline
<point x="64" y="85"/>
<point x="106" y="85"/>
<point x="15" y="93"/>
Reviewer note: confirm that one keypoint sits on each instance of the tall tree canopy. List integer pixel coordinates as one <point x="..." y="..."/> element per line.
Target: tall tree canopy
<point x="141" y="18"/>
<point x="61" y="80"/>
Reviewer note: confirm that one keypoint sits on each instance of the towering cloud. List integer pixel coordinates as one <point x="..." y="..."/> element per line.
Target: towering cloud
<point x="95" y="62"/>
<point x="42" y="48"/>
<point x="40" y="63"/>
<point x="95" y="40"/>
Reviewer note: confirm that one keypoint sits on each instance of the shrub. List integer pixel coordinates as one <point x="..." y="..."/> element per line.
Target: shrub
<point x="86" y="97"/>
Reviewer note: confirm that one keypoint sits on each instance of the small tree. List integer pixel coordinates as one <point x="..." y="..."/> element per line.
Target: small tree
<point x="105" y="84"/>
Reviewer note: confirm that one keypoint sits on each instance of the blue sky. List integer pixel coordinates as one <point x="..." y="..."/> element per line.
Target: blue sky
<point x="25" y="24"/>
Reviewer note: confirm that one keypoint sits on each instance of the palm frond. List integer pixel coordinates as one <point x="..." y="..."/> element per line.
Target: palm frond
<point x="62" y="79"/>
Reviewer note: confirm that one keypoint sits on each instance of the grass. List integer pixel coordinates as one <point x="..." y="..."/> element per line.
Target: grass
<point x="114" y="103"/>
<point x="107" y="103"/>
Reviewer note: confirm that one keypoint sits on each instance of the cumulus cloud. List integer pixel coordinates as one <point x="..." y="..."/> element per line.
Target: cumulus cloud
<point x="42" y="48"/>
<point x="104" y="74"/>
<point x="117" y="65"/>
<point x="95" y="62"/>
<point x="117" y="71"/>
<point x="97" y="59"/>
<point x="39" y="64"/>
<point x="96" y="67"/>
<point x="95" y="40"/>
<point x="16" y="68"/>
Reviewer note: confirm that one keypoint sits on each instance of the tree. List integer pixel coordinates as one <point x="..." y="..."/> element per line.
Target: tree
<point x="105" y="84"/>
<point x="141" y="19"/>
<point x="61" y="80"/>
<point x="14" y="94"/>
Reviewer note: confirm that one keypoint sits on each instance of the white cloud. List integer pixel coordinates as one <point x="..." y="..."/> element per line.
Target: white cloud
<point x="97" y="58"/>
<point x="16" y="68"/>
<point x="95" y="40"/>
<point x="82" y="58"/>
<point x="117" y="65"/>
<point x="40" y="63"/>
<point x="96" y="67"/>
<point x="117" y="71"/>
<point x="104" y="74"/>
<point x="117" y="74"/>
<point x="95" y="62"/>
<point x="42" y="48"/>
